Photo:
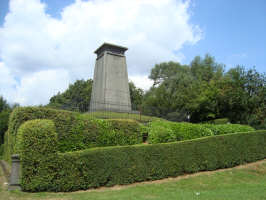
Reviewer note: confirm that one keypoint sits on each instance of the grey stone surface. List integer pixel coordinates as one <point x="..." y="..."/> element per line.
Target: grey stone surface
<point x="110" y="90"/>
<point x="14" y="183"/>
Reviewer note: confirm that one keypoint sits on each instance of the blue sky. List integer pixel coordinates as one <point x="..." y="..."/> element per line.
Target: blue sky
<point x="49" y="44"/>
<point x="234" y="32"/>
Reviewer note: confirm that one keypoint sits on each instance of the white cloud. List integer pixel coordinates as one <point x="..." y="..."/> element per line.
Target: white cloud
<point x="37" y="88"/>
<point x="141" y="81"/>
<point x="7" y="82"/>
<point x="33" y="44"/>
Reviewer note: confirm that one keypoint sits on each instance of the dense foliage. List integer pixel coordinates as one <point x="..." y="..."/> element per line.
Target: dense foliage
<point x="220" y="129"/>
<point x="136" y="96"/>
<point x="75" y="131"/>
<point x="203" y="91"/>
<point x="3" y="104"/>
<point x="77" y="97"/>
<point x="4" y="116"/>
<point x="5" y="110"/>
<point x="199" y="92"/>
<point x="37" y="147"/>
<point x="109" y="166"/>
<point x="165" y="131"/>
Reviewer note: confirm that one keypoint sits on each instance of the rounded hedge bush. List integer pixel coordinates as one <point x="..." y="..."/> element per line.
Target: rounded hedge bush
<point x="36" y="144"/>
<point x="188" y="131"/>
<point x="228" y="128"/>
<point x="75" y="131"/>
<point x="165" y="131"/>
<point x="161" y="132"/>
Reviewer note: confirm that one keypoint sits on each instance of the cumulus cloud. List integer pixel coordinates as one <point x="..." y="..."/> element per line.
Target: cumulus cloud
<point x="141" y="81"/>
<point x="42" y="55"/>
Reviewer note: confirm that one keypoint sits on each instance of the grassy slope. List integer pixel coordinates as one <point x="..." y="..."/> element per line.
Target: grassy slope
<point x="245" y="182"/>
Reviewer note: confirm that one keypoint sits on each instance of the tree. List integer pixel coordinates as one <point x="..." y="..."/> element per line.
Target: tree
<point x="180" y="91"/>
<point x="136" y="96"/>
<point x="5" y="111"/>
<point x="3" y="104"/>
<point x="244" y="96"/>
<point x="75" y="98"/>
<point x="4" y="117"/>
<point x="204" y="92"/>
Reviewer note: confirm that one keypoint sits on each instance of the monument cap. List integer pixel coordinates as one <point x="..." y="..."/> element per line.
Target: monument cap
<point x="111" y="48"/>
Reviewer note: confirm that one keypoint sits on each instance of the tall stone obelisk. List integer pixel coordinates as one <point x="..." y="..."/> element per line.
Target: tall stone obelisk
<point x="110" y="91"/>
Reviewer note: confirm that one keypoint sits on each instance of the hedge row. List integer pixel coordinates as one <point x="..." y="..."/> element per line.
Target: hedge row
<point x="75" y="131"/>
<point x="219" y="121"/>
<point x="228" y="128"/>
<point x="8" y="146"/>
<point x="166" y="131"/>
<point x="37" y="145"/>
<point x="45" y="170"/>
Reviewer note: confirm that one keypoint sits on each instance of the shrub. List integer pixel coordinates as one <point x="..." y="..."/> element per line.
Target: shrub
<point x="120" y="132"/>
<point x="6" y="147"/>
<point x="37" y="146"/>
<point x="219" y="121"/>
<point x="164" y="131"/>
<point x="161" y="132"/>
<point x="76" y="131"/>
<point x="109" y="166"/>
<point x="4" y="116"/>
<point x="228" y="128"/>
<point x="187" y="131"/>
<point x="63" y="119"/>
<point x="1" y="150"/>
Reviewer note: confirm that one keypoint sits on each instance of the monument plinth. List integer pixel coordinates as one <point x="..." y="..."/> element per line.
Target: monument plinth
<point x="110" y="91"/>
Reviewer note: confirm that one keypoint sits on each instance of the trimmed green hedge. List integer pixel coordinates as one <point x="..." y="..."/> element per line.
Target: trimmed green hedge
<point x="43" y="169"/>
<point x="8" y="146"/>
<point x="165" y="131"/>
<point x="219" y="121"/>
<point x="228" y="128"/>
<point x="37" y="147"/>
<point x="75" y="131"/>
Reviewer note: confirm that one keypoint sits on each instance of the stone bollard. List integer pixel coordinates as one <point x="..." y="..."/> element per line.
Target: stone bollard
<point x="14" y="183"/>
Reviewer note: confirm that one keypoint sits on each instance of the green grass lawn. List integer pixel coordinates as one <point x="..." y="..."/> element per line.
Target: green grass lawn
<point x="245" y="182"/>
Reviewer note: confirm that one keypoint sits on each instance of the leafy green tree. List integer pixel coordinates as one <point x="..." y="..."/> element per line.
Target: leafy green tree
<point x="3" y="104"/>
<point x="244" y="96"/>
<point x="180" y="91"/>
<point x="4" y="117"/>
<point x="136" y="96"/>
<point x="75" y="98"/>
<point x="5" y="111"/>
<point x="203" y="91"/>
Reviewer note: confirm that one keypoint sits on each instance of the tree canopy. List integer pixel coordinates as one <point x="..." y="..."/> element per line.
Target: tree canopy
<point x="198" y="92"/>
<point x="5" y="110"/>
<point x="203" y="91"/>
<point x="77" y="97"/>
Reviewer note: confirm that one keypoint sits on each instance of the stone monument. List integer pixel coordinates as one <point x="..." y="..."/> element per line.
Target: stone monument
<point x="110" y="91"/>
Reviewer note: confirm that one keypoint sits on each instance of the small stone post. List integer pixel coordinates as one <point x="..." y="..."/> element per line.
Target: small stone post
<point x="14" y="183"/>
